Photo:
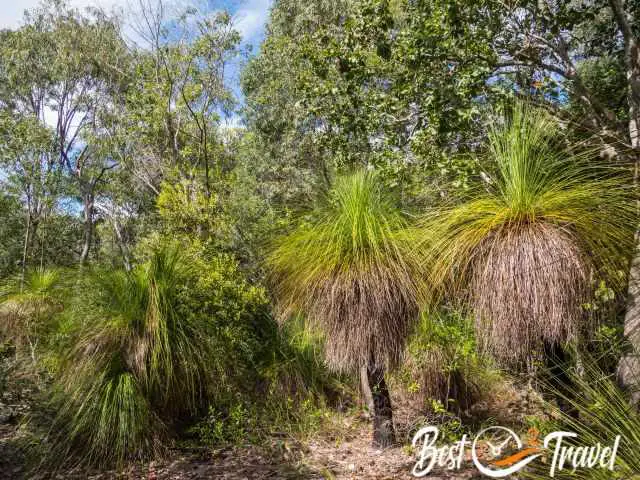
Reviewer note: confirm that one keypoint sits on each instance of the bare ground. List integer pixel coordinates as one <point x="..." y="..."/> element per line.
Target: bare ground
<point x="351" y="457"/>
<point x="342" y="451"/>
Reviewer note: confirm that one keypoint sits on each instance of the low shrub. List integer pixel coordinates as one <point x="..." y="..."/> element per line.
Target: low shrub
<point x="443" y="366"/>
<point x="292" y="393"/>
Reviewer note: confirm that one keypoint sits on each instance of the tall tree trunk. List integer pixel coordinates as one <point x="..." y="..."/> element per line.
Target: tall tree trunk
<point x="124" y="251"/>
<point x="629" y="367"/>
<point x="383" y="432"/>
<point x="25" y="248"/>
<point x="87" y="240"/>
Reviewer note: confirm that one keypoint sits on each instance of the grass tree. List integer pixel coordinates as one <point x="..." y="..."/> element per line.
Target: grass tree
<point x="527" y="247"/>
<point x="27" y="305"/>
<point x="353" y="273"/>
<point x="138" y="363"/>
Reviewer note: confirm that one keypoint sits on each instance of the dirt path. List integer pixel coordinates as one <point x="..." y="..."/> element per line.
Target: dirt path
<point x="348" y="455"/>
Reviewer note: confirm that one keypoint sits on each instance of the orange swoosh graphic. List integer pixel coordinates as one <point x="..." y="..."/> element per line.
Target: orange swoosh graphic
<point x="505" y="462"/>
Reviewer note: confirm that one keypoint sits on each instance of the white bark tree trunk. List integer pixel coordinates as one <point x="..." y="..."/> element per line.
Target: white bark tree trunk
<point x="629" y="367"/>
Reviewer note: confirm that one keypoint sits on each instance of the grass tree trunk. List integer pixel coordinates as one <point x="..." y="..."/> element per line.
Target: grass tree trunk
<point x="366" y="389"/>
<point x="558" y="363"/>
<point x="383" y="432"/>
<point x="629" y="368"/>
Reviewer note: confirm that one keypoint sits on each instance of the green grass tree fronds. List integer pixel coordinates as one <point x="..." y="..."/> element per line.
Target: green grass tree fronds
<point x="599" y="412"/>
<point x="27" y="305"/>
<point x="525" y="247"/>
<point x="353" y="273"/>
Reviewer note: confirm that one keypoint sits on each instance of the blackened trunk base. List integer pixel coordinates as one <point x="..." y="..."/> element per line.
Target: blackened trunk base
<point x="558" y="362"/>
<point x="383" y="433"/>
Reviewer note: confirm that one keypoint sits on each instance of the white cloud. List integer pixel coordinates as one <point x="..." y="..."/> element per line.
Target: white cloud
<point x="251" y="18"/>
<point x="12" y="11"/>
<point x="11" y="15"/>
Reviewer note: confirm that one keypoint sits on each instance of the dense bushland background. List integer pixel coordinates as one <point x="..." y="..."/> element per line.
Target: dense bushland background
<point x="381" y="216"/>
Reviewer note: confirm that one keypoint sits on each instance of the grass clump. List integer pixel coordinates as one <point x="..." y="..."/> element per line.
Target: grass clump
<point x="26" y="307"/>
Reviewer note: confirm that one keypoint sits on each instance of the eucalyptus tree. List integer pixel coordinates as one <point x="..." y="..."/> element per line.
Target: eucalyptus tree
<point x="11" y="232"/>
<point x="180" y="87"/>
<point x="59" y="70"/>
<point x="291" y="162"/>
<point x="32" y="174"/>
<point x="398" y="84"/>
<point x="353" y="272"/>
<point x="167" y="135"/>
